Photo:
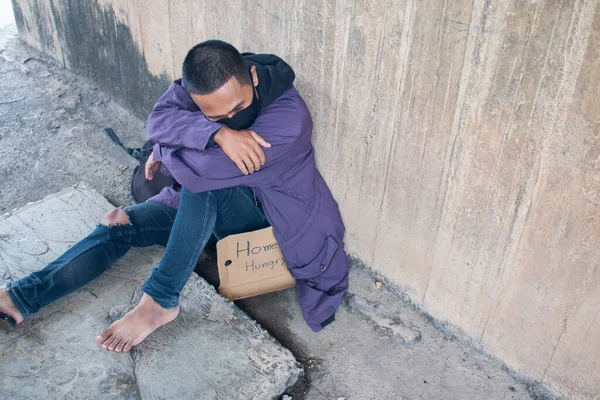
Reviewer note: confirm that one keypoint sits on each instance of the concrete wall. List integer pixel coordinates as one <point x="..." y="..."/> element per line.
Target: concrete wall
<point x="461" y="139"/>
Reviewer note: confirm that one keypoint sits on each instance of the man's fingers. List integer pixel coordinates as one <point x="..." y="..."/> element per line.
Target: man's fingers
<point x="260" y="140"/>
<point x="256" y="160"/>
<point x="241" y="166"/>
<point x="149" y="167"/>
<point x="149" y="172"/>
<point x="249" y="163"/>
<point x="258" y="151"/>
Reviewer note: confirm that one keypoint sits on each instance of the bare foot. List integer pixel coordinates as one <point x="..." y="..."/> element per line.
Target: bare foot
<point x="136" y="325"/>
<point x="7" y="306"/>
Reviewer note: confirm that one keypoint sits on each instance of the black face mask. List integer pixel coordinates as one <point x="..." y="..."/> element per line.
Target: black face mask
<point x="244" y="118"/>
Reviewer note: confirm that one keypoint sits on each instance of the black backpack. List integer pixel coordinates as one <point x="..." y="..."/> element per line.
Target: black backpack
<point x="141" y="188"/>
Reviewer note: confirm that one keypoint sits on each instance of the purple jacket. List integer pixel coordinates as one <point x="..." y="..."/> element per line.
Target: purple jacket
<point x="296" y="200"/>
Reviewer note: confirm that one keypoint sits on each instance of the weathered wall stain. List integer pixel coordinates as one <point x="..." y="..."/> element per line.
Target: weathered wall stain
<point x="460" y="138"/>
<point x="91" y="40"/>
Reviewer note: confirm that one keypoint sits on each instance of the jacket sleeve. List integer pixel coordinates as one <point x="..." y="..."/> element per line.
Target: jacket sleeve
<point x="211" y="169"/>
<point x="176" y="121"/>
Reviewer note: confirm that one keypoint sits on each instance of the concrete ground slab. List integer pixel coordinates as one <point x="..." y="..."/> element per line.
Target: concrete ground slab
<point x="380" y="347"/>
<point x="211" y="351"/>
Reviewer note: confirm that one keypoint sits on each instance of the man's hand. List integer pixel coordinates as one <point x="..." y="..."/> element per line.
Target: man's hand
<point x="151" y="166"/>
<point x="243" y="147"/>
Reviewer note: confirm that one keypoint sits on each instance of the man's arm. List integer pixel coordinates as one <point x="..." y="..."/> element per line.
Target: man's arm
<point x="282" y="124"/>
<point x="176" y="121"/>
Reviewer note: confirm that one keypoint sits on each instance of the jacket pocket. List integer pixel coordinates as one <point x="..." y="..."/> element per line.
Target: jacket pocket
<point x="320" y="264"/>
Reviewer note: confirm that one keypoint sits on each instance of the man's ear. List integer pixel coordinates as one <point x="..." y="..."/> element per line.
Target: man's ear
<point x="254" y="75"/>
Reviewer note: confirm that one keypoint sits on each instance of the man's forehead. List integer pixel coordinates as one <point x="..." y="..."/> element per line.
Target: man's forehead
<point x="223" y="100"/>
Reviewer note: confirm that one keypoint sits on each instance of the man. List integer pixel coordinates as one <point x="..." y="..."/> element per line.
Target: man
<point x="229" y="185"/>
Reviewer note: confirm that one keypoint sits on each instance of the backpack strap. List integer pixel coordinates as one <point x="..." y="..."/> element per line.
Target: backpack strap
<point x="135" y="153"/>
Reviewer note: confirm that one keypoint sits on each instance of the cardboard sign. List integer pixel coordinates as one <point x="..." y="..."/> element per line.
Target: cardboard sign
<point x="251" y="264"/>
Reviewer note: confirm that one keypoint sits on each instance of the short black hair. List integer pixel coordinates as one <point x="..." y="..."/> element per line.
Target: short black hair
<point x="211" y="64"/>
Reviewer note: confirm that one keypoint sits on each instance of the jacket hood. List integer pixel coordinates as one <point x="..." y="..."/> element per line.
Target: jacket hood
<point x="275" y="76"/>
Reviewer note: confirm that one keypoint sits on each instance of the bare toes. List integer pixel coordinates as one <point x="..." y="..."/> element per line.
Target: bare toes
<point x="127" y="346"/>
<point x="119" y="347"/>
<point x="114" y="344"/>
<point x="104" y="336"/>
<point x="108" y="342"/>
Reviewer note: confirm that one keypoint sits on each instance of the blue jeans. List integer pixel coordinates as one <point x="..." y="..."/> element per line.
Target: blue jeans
<point x="184" y="232"/>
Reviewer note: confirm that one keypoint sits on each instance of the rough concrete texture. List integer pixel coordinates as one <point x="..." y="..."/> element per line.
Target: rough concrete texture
<point x="54" y="354"/>
<point x="380" y="347"/>
<point x="461" y="139"/>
